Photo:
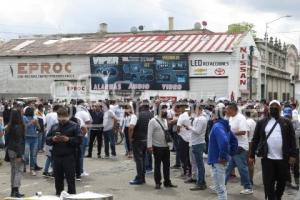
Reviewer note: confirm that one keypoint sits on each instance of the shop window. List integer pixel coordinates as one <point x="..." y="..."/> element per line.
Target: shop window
<point x="284" y="96"/>
<point x="275" y="95"/>
<point x="270" y="58"/>
<point x="270" y="94"/>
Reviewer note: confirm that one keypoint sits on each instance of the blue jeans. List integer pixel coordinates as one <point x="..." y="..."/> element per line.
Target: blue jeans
<point x="240" y="161"/>
<point x="83" y="145"/>
<point x="109" y="138"/>
<point x="41" y="141"/>
<point x="198" y="154"/>
<point x="48" y="163"/>
<point x="31" y="149"/>
<point x="219" y="175"/>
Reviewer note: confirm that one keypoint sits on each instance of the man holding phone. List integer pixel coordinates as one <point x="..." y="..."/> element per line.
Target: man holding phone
<point x="64" y="137"/>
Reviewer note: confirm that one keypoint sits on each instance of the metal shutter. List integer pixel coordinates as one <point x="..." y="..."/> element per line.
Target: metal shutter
<point x="203" y="88"/>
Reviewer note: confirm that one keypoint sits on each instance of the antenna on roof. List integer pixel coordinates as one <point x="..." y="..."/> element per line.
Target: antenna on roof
<point x="197" y="26"/>
<point x="133" y="29"/>
<point x="141" y="27"/>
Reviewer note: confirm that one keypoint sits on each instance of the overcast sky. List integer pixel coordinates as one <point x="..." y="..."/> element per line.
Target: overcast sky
<point x="72" y="16"/>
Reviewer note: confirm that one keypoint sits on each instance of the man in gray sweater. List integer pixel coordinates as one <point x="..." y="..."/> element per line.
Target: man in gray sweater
<point x="157" y="144"/>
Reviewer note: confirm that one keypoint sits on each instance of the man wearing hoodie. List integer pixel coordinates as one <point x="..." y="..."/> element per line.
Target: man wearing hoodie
<point x="221" y="143"/>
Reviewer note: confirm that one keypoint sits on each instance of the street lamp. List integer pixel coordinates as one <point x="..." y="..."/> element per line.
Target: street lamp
<point x="266" y="53"/>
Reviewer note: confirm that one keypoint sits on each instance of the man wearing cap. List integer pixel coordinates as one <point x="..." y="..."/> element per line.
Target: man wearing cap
<point x="288" y="113"/>
<point x="278" y="151"/>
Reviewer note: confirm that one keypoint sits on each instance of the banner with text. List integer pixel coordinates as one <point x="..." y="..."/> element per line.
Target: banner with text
<point x="147" y="72"/>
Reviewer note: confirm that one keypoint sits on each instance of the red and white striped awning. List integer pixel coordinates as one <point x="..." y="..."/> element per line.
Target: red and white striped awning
<point x="180" y="43"/>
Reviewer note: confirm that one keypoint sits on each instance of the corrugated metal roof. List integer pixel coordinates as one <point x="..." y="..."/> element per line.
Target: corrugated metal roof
<point x="186" y="42"/>
<point x="180" y="43"/>
<point x="47" y="46"/>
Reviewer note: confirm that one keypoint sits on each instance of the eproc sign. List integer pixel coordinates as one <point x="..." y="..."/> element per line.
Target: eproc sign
<point x="44" y="68"/>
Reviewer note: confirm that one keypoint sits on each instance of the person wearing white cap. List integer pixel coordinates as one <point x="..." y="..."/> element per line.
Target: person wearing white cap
<point x="274" y="141"/>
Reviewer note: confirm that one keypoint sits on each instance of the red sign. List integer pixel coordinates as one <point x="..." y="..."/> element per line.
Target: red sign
<point x="167" y="98"/>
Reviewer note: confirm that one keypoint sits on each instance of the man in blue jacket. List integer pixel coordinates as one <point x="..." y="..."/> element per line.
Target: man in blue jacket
<point x="221" y="143"/>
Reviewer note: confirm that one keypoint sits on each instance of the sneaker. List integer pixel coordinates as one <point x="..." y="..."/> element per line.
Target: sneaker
<point x="190" y="180"/>
<point x="33" y="173"/>
<point x="136" y="182"/>
<point x="213" y="189"/>
<point x="198" y="187"/>
<point x="175" y="167"/>
<point x="149" y="171"/>
<point x="84" y="174"/>
<point x="37" y="168"/>
<point x="106" y="157"/>
<point x="88" y="156"/>
<point x="46" y="174"/>
<point x="99" y="156"/>
<point x="114" y="157"/>
<point x="78" y="178"/>
<point x="247" y="191"/>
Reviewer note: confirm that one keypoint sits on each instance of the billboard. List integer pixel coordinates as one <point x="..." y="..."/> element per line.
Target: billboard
<point x="147" y="72"/>
<point x="209" y="65"/>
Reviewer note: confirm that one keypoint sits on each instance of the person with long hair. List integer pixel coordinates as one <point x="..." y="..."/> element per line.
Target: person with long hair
<point x="31" y="139"/>
<point x="15" y="141"/>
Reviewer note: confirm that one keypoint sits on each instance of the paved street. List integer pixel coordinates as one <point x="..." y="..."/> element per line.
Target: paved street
<point x="108" y="176"/>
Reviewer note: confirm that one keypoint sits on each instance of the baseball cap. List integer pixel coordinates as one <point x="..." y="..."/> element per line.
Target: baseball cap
<point x="274" y="102"/>
<point x="287" y="112"/>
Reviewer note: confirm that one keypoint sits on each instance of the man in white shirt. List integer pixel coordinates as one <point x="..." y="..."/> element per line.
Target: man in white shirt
<point x="184" y="121"/>
<point x="251" y="127"/>
<point x="83" y="115"/>
<point x="278" y="153"/>
<point x="156" y="143"/>
<point x="109" y="120"/>
<point x="239" y="127"/>
<point x="198" y="146"/>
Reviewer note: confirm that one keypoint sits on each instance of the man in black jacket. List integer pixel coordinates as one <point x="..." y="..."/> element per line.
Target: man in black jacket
<point x="64" y="137"/>
<point x="279" y="150"/>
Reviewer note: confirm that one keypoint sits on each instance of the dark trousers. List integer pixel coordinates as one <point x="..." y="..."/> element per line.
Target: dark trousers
<point x="185" y="156"/>
<point x="93" y="135"/>
<point x="295" y="170"/>
<point x="177" y="149"/>
<point x="129" y="149"/>
<point x="64" y="167"/>
<point x="274" y="177"/>
<point x="109" y="138"/>
<point x="139" y="149"/>
<point x="161" y="155"/>
<point x="77" y="162"/>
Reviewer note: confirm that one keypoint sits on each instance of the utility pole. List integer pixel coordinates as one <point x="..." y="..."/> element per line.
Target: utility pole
<point x="251" y="64"/>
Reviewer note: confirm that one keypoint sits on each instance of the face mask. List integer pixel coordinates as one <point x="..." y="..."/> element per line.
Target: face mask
<point x="274" y="112"/>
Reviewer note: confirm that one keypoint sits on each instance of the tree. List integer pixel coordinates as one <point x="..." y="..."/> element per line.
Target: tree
<point x="241" y="27"/>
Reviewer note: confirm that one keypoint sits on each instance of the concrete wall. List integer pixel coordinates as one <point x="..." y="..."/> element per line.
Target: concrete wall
<point x="33" y="76"/>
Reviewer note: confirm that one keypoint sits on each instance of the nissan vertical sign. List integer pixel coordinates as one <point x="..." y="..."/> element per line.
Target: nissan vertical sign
<point x="243" y="68"/>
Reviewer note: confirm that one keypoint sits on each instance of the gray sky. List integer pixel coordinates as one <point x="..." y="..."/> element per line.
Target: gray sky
<point x="67" y="16"/>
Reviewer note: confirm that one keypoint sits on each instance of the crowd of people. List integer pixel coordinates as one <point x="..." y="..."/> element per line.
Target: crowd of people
<point x="229" y="134"/>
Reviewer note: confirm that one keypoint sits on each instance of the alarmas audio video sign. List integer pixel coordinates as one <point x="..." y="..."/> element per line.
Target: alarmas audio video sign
<point x="149" y="72"/>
